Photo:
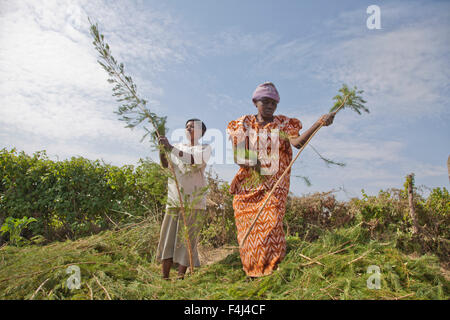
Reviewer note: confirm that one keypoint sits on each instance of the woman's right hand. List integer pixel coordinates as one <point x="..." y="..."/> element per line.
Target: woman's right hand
<point x="165" y="142"/>
<point x="327" y="119"/>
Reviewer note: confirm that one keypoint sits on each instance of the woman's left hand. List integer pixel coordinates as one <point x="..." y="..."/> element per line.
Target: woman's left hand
<point x="327" y="119"/>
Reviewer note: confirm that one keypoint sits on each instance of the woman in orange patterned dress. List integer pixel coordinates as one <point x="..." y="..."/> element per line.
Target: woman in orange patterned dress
<point x="271" y="136"/>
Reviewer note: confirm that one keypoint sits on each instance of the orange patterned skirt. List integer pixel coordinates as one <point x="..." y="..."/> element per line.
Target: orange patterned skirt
<point x="265" y="246"/>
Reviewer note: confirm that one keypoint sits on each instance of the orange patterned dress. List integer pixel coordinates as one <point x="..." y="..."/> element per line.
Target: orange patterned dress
<point x="265" y="246"/>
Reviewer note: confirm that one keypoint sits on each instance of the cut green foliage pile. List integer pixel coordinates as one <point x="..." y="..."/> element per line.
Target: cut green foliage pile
<point x="115" y="259"/>
<point x="121" y="264"/>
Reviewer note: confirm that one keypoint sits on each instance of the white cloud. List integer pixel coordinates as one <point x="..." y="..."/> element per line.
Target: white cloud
<point x="402" y="71"/>
<point x="52" y="88"/>
<point x="402" y="68"/>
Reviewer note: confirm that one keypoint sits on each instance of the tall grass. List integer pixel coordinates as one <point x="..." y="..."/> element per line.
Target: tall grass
<point x="120" y="264"/>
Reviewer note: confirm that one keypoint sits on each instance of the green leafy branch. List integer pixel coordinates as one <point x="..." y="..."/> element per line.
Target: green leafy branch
<point x="350" y="99"/>
<point x="133" y="109"/>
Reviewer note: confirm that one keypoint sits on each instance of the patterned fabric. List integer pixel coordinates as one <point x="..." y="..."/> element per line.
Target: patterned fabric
<point x="265" y="246"/>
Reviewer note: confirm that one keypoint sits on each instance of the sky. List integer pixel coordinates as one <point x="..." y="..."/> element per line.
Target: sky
<point x="204" y="58"/>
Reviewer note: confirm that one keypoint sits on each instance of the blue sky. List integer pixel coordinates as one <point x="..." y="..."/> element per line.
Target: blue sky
<point x="204" y="58"/>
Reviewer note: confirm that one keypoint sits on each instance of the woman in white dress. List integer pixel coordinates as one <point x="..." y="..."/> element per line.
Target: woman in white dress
<point x="189" y="162"/>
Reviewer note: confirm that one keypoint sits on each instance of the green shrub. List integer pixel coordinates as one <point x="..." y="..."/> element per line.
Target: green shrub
<point x="308" y="216"/>
<point x="15" y="227"/>
<point x="384" y="214"/>
<point x="386" y="217"/>
<point x="435" y="212"/>
<point x="76" y="197"/>
<point x="218" y="226"/>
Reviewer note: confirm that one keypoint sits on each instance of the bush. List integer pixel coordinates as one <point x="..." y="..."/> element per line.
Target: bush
<point x="76" y="197"/>
<point x="384" y="214"/>
<point x="218" y="225"/>
<point x="387" y="218"/>
<point x="308" y="216"/>
<point x="434" y="213"/>
<point x="15" y="227"/>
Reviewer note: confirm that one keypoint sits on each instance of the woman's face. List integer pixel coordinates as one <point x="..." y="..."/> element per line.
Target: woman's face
<point x="266" y="107"/>
<point x="193" y="131"/>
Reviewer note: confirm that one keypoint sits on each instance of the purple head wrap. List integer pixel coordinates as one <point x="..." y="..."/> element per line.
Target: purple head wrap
<point x="266" y="90"/>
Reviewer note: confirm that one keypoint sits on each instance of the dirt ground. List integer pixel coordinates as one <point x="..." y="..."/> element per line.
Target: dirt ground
<point x="212" y="255"/>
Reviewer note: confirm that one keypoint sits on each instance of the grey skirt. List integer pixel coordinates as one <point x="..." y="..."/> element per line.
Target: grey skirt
<point x="172" y="239"/>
